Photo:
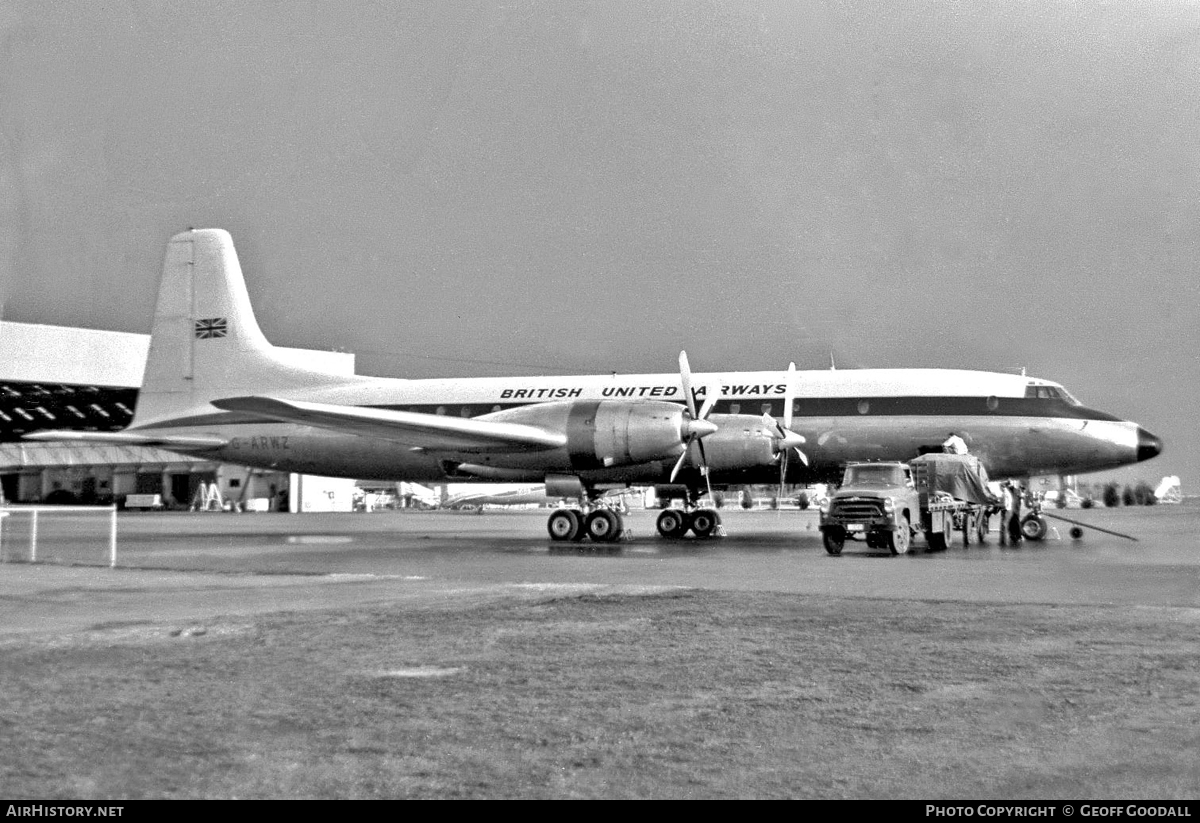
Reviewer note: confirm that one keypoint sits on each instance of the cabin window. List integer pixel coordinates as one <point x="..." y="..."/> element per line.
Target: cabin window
<point x="466" y="411"/>
<point x="735" y="408"/>
<point x="766" y="408"/>
<point x="863" y="406"/>
<point x="441" y="410"/>
<point x="993" y="403"/>
<point x="496" y="407"/>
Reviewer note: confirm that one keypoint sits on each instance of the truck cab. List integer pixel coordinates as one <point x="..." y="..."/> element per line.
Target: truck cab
<point x="877" y="503"/>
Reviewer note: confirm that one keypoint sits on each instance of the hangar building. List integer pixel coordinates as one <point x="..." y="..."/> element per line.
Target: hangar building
<point x="54" y="377"/>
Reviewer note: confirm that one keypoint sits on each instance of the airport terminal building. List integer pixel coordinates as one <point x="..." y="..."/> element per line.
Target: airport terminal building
<point x="54" y="377"/>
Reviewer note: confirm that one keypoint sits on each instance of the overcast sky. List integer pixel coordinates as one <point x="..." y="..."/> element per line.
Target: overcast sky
<point x="486" y="188"/>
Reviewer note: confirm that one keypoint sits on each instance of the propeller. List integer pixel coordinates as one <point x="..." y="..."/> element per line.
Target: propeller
<point x="785" y="439"/>
<point x="695" y="426"/>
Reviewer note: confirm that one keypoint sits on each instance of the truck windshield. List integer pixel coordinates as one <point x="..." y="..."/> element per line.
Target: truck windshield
<point x="893" y="475"/>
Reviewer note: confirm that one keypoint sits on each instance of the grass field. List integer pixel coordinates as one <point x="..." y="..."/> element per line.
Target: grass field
<point x="690" y="694"/>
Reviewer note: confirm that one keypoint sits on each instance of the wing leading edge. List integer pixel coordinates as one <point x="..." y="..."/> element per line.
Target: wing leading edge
<point x="425" y="431"/>
<point x="174" y="442"/>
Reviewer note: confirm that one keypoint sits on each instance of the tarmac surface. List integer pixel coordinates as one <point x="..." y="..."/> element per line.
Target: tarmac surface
<point x="182" y="568"/>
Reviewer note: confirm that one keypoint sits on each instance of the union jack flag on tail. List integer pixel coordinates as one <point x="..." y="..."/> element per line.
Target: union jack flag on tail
<point x="211" y="327"/>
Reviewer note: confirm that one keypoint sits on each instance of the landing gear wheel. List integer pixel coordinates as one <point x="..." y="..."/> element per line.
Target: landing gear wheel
<point x="834" y="540"/>
<point x="564" y="524"/>
<point x="705" y="522"/>
<point x="603" y="526"/>
<point x="1034" y="527"/>
<point x="672" y="524"/>
<point x="981" y="529"/>
<point x="901" y="538"/>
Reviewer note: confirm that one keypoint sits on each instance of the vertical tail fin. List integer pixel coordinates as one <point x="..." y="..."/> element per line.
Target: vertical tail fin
<point x="205" y="342"/>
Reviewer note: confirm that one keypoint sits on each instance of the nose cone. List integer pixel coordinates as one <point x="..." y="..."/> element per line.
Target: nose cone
<point x="697" y="428"/>
<point x="1148" y="445"/>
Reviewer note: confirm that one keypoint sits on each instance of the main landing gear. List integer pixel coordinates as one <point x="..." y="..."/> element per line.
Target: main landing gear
<point x="675" y="523"/>
<point x="602" y="525"/>
<point x="602" y="522"/>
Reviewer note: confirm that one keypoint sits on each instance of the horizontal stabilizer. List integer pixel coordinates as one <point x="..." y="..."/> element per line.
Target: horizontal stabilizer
<point x="428" y="431"/>
<point x="174" y="442"/>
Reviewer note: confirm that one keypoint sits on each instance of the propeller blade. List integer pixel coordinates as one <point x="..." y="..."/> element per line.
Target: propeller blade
<point x="679" y="464"/>
<point x="704" y="468"/>
<point x="787" y="438"/>
<point x="789" y="395"/>
<point x="695" y="428"/>
<point x="770" y="423"/>
<point x="785" y="441"/>
<point x="711" y="394"/>
<point x="685" y="377"/>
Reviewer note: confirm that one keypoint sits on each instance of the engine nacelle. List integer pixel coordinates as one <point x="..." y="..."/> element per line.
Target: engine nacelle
<point x="741" y="441"/>
<point x="601" y="433"/>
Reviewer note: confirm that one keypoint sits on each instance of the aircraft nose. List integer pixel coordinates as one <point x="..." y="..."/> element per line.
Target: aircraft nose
<point x="1148" y="445"/>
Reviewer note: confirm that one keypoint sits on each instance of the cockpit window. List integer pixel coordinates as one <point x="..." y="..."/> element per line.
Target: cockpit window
<point x="1066" y="395"/>
<point x="1050" y="393"/>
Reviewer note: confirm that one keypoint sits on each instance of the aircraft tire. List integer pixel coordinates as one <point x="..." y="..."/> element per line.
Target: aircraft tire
<point x="705" y="523"/>
<point x="834" y="539"/>
<point x="603" y="526"/>
<point x="899" y="541"/>
<point x="672" y="524"/>
<point x="564" y="524"/>
<point x="1034" y="527"/>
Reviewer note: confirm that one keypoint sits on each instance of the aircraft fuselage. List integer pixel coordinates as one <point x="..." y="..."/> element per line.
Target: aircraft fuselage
<point x="1017" y="426"/>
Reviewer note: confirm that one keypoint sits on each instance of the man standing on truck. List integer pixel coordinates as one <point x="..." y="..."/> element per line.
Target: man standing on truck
<point x="954" y="445"/>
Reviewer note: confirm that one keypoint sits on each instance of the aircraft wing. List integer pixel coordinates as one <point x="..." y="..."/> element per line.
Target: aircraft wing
<point x="427" y="431"/>
<point x="174" y="442"/>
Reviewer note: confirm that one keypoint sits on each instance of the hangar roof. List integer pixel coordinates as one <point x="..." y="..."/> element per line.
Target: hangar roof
<point x="54" y="377"/>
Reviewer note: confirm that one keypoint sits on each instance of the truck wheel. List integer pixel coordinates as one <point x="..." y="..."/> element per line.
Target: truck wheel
<point x="1034" y="527"/>
<point x="834" y="539"/>
<point x="981" y="529"/>
<point x="901" y="538"/>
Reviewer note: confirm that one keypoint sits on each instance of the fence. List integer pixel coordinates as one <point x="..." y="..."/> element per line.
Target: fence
<point x="85" y="535"/>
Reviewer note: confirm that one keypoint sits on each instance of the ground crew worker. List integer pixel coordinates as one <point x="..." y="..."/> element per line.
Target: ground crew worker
<point x="954" y="445"/>
<point x="1004" y="493"/>
<point x="1012" y="513"/>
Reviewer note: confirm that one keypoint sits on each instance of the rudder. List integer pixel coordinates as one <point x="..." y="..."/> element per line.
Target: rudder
<point x="205" y="342"/>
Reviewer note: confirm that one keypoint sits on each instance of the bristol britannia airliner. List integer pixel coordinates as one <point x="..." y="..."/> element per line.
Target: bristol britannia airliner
<point x="215" y="387"/>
